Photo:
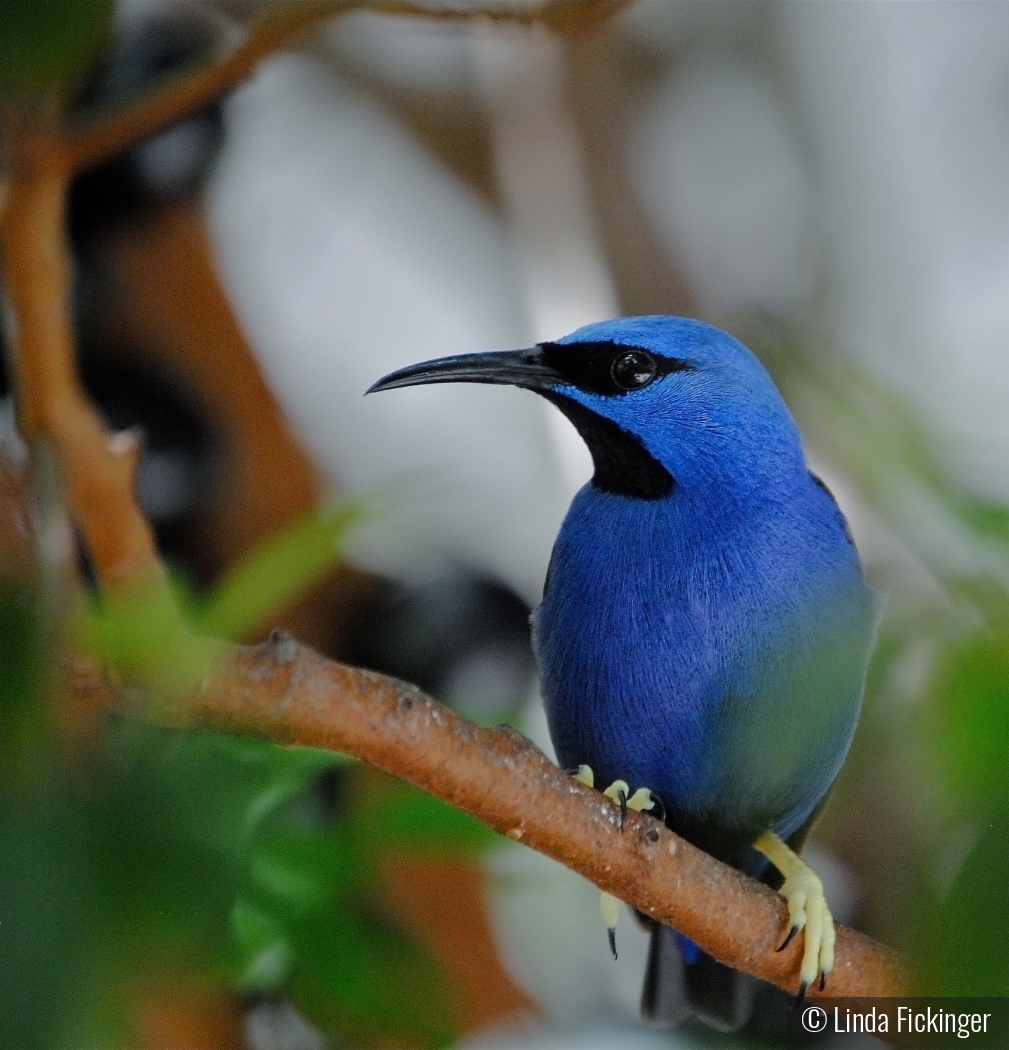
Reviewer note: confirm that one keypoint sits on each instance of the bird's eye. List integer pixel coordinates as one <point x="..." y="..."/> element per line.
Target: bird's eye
<point x="633" y="369"/>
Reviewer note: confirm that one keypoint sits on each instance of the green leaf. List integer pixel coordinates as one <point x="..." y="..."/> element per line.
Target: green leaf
<point x="276" y="573"/>
<point x="262" y="950"/>
<point x="143" y="633"/>
<point x="46" y="46"/>
<point x="301" y="871"/>
<point x="290" y="775"/>
<point x="225" y="789"/>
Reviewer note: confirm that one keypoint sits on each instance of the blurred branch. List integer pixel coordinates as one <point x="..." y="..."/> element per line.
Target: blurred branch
<point x="96" y="467"/>
<point x="281" y="25"/>
<point x="284" y="692"/>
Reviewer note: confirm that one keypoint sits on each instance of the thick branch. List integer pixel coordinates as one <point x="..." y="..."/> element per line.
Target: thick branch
<point x="96" y="469"/>
<point x="280" y="26"/>
<point x="284" y="692"/>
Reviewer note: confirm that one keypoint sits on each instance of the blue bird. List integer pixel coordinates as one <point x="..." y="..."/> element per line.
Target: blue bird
<point x="705" y="627"/>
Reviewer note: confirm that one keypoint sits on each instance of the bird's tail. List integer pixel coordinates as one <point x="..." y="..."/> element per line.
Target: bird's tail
<point x="681" y="982"/>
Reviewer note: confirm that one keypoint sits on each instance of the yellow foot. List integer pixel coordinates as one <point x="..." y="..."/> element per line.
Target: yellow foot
<point x="619" y="792"/>
<point x="807" y="910"/>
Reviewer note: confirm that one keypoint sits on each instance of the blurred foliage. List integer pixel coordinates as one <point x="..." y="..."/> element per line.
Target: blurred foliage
<point x="199" y="852"/>
<point x="898" y="464"/>
<point x="23" y="681"/>
<point x="193" y="852"/>
<point x="48" y="46"/>
<point x="968" y="700"/>
<point x="276" y="573"/>
<point x="961" y="937"/>
<point x="946" y="746"/>
<point x="142" y="633"/>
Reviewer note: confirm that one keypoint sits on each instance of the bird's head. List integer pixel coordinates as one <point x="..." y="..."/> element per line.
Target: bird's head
<point x="658" y="400"/>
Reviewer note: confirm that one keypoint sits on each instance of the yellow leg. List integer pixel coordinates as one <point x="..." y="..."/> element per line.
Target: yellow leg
<point x="618" y="791"/>
<point x="807" y="910"/>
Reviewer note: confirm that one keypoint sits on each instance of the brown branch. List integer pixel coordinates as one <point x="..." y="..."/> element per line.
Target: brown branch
<point x="284" y="692"/>
<point x="96" y="469"/>
<point x="103" y="137"/>
<point x="280" y="26"/>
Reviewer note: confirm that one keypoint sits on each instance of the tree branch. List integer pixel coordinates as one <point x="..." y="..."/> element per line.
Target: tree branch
<point x="284" y="692"/>
<point x="278" y="27"/>
<point x="97" y="468"/>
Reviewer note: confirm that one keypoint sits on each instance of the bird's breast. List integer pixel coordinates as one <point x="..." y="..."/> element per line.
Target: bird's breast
<point x="618" y="636"/>
<point x="717" y="663"/>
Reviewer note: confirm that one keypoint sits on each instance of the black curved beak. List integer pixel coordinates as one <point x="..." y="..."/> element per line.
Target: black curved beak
<point x="524" y="368"/>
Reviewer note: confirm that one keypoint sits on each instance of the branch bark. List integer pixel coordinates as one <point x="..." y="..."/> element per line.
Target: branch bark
<point x="280" y="26"/>
<point x="284" y="692"/>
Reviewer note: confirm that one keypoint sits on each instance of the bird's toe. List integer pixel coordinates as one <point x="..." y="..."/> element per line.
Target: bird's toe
<point x="609" y="908"/>
<point x="584" y="775"/>
<point x="619" y="791"/>
<point x="807" y="911"/>
<point x="642" y="799"/>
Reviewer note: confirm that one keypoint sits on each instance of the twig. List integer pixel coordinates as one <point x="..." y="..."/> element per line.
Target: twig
<point x="280" y="26"/>
<point x="104" y="136"/>
<point x="284" y="692"/>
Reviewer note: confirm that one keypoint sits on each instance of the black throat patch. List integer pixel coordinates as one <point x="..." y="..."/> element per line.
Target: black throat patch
<point x="623" y="465"/>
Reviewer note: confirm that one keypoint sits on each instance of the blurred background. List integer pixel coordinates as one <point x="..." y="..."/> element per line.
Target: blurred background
<point x="826" y="181"/>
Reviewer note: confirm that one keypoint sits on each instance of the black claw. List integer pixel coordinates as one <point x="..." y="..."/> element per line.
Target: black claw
<point x="788" y="940"/>
<point x="659" y="810"/>
<point x="823" y="980"/>
<point x="801" y="997"/>
<point x="612" y="934"/>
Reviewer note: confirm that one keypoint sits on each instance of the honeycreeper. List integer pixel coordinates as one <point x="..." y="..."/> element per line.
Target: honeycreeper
<point x="705" y="627"/>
